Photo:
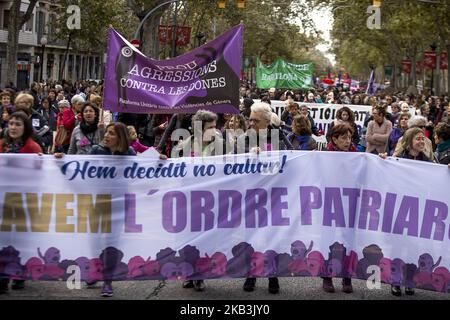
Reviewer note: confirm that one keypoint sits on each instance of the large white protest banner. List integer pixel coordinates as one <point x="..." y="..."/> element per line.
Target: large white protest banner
<point x="324" y="113"/>
<point x="287" y="213"/>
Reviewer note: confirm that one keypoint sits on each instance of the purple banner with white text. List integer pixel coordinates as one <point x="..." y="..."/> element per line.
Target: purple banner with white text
<point x="205" y="78"/>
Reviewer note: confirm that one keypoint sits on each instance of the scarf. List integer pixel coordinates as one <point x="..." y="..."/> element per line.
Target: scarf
<point x="89" y="128"/>
<point x="11" y="147"/>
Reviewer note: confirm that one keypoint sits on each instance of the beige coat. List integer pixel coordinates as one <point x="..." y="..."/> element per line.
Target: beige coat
<point x="377" y="136"/>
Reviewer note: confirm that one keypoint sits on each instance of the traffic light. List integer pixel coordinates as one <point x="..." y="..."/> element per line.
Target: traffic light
<point x="221" y="4"/>
<point x="241" y="4"/>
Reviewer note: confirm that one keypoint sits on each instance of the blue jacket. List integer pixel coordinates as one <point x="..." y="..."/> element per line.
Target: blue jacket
<point x="396" y="134"/>
<point x="100" y="149"/>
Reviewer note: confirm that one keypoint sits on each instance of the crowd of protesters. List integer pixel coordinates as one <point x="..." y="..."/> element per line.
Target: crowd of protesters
<point x="71" y="119"/>
<point x="390" y="117"/>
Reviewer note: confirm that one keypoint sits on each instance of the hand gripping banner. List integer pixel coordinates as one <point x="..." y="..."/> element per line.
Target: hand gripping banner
<point x="283" y="214"/>
<point x="205" y="78"/>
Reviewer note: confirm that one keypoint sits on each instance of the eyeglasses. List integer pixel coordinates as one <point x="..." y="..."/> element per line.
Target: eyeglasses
<point x="254" y="120"/>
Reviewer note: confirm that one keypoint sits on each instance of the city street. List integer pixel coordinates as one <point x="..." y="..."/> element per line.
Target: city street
<point x="291" y="289"/>
<point x="221" y="139"/>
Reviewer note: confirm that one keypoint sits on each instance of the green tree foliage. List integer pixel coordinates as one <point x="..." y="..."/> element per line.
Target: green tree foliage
<point x="96" y="17"/>
<point x="273" y="28"/>
<point x="408" y="27"/>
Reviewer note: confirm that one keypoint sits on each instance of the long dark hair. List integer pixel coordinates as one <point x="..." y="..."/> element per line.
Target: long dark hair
<point x="89" y="128"/>
<point x="28" y="128"/>
<point x="351" y="114"/>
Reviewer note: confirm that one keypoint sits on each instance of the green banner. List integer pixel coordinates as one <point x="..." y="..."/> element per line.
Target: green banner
<point x="388" y="71"/>
<point x="285" y="75"/>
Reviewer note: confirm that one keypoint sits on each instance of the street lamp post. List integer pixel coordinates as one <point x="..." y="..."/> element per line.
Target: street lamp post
<point x="136" y="33"/>
<point x="199" y="37"/>
<point x="433" y="48"/>
<point x="43" y="44"/>
<point x="141" y="24"/>
<point x="174" y="32"/>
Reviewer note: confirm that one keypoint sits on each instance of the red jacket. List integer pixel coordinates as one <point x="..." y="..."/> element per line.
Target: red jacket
<point x="69" y="121"/>
<point x="29" y="147"/>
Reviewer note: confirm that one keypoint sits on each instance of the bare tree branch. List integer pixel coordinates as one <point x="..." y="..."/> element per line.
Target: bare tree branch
<point x="27" y="14"/>
<point x="136" y="8"/>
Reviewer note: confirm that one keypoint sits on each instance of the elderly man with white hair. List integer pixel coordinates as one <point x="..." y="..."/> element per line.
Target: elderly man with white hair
<point x="417" y="122"/>
<point x="261" y="134"/>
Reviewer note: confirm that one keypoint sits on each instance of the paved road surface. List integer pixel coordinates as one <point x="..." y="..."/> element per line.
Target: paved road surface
<point x="291" y="289"/>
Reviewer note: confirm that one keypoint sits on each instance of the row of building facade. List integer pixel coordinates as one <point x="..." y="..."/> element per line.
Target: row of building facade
<point x="36" y="62"/>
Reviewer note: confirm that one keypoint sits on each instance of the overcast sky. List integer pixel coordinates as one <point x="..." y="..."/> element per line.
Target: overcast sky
<point x="324" y="22"/>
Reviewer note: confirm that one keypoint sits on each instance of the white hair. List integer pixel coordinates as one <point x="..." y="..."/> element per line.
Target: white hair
<point x="77" y="99"/>
<point x="415" y="121"/>
<point x="275" y="120"/>
<point x="64" y="103"/>
<point x="264" y="109"/>
<point x="404" y="104"/>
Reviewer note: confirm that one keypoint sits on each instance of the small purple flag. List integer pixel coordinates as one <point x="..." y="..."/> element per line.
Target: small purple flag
<point x="371" y="85"/>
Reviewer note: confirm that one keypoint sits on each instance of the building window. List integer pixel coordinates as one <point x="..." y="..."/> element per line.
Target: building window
<point x="40" y="22"/>
<point x="61" y="66"/>
<point x="96" y="63"/>
<point x="50" y="66"/>
<point x="69" y="74"/>
<point x="77" y="67"/>
<point x="5" y="19"/>
<point x="28" y="27"/>
<point x="52" y="25"/>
